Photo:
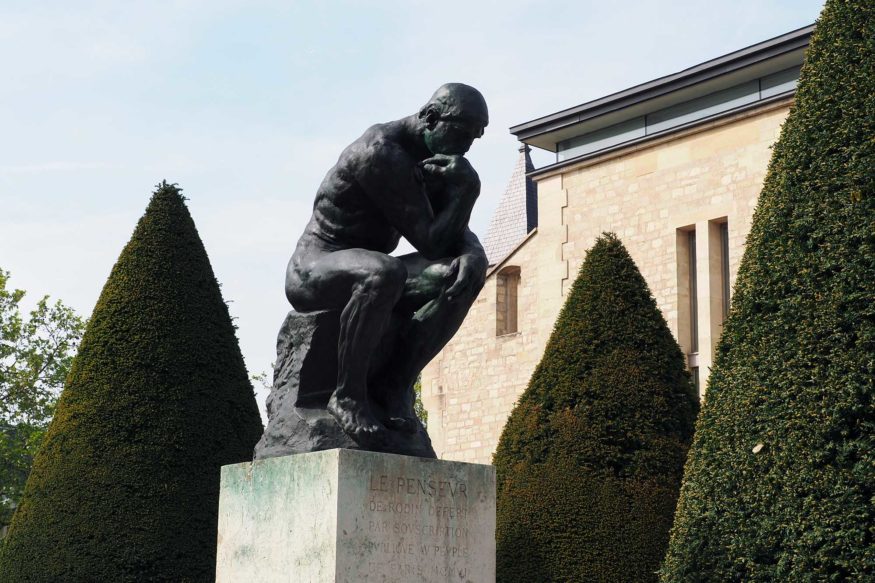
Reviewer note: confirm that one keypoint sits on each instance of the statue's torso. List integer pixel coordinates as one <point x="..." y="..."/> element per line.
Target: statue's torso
<point x="345" y="216"/>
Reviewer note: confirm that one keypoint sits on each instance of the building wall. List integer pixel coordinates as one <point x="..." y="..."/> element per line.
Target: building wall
<point x="645" y="194"/>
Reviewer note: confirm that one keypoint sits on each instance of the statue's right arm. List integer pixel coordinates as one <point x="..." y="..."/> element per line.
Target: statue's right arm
<point x="389" y="177"/>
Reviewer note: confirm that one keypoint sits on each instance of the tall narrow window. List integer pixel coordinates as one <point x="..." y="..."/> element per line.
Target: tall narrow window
<point x="718" y="274"/>
<point x="507" y="289"/>
<point x="724" y="265"/>
<point x="687" y="306"/>
<point x="703" y="292"/>
<point x="693" y="291"/>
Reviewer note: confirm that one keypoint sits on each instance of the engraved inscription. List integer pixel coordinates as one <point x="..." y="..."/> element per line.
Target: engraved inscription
<point x="432" y="488"/>
<point x="413" y="520"/>
<point x="426" y="520"/>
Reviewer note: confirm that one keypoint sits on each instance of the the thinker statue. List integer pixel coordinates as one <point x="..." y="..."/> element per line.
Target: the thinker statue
<point x="393" y="314"/>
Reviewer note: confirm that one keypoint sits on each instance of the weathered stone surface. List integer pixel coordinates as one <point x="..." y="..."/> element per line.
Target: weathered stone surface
<point x="305" y="375"/>
<point x="343" y="516"/>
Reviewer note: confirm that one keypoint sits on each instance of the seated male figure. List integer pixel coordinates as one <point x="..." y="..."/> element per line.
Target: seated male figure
<point x="403" y="178"/>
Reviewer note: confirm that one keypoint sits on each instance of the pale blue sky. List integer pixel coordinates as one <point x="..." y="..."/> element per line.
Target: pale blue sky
<point x="247" y="104"/>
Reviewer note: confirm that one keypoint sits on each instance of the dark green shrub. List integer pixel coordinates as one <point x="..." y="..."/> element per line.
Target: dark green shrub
<point x="781" y="474"/>
<point x="589" y="464"/>
<point x="125" y="485"/>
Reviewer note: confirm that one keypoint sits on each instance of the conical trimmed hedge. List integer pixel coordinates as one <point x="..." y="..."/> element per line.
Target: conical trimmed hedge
<point x="780" y="479"/>
<point x="589" y="464"/>
<point x="125" y="486"/>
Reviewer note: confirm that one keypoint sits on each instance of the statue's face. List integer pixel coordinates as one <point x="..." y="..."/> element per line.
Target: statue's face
<point x="451" y="135"/>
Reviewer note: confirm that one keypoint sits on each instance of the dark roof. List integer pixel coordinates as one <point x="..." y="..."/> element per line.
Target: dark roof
<point x="517" y="212"/>
<point x="545" y="132"/>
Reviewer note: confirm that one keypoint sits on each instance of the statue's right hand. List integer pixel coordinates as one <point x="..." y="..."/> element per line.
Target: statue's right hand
<point x="452" y="169"/>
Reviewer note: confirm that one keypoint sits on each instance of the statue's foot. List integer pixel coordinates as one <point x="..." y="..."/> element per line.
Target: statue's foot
<point x="403" y="424"/>
<point x="357" y="421"/>
<point x="395" y="405"/>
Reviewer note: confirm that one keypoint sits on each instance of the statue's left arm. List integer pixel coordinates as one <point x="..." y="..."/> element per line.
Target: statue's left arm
<point x="471" y="266"/>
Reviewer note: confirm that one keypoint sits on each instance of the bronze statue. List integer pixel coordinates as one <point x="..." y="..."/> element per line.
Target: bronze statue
<point x="403" y="178"/>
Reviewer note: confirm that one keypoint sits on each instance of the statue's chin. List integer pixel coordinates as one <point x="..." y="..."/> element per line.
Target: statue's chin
<point x="436" y="147"/>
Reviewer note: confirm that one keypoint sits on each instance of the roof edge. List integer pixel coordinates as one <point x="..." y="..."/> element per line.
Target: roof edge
<point x="765" y="105"/>
<point x="500" y="263"/>
<point x="745" y="57"/>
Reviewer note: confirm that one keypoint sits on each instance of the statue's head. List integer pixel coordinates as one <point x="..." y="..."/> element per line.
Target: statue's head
<point x="453" y="118"/>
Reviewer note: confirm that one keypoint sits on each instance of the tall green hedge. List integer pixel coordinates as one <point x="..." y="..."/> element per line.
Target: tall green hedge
<point x="780" y="480"/>
<point x="125" y="486"/>
<point x="589" y="463"/>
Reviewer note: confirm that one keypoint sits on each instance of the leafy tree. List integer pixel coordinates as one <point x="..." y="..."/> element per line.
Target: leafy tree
<point x="125" y="486"/>
<point x="418" y="405"/>
<point x="590" y="461"/>
<point x="781" y="474"/>
<point x="35" y="356"/>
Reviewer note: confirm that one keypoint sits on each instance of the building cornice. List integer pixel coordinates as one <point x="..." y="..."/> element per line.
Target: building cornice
<point x="536" y="132"/>
<point x="751" y="109"/>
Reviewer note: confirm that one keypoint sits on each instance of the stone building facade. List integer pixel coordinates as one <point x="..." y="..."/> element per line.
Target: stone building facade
<point x="673" y="167"/>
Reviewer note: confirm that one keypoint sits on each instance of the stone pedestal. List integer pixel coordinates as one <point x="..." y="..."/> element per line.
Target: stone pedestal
<point x="350" y="516"/>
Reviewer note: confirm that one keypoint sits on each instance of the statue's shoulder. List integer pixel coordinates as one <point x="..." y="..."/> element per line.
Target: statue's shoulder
<point x="376" y="150"/>
<point x="380" y="142"/>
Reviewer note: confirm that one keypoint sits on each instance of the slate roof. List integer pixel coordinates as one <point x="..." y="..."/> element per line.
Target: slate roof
<point x="517" y="213"/>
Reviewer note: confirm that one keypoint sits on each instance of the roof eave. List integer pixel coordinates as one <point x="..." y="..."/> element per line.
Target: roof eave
<point x="529" y="131"/>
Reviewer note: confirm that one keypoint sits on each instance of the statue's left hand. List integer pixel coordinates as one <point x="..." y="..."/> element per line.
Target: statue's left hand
<point x="470" y="274"/>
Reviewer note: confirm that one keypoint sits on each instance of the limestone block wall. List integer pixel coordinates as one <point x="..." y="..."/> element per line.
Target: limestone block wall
<point x="650" y="195"/>
<point x="472" y="385"/>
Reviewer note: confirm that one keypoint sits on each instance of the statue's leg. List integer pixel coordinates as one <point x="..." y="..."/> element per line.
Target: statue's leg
<point x="367" y="285"/>
<point x="433" y="323"/>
